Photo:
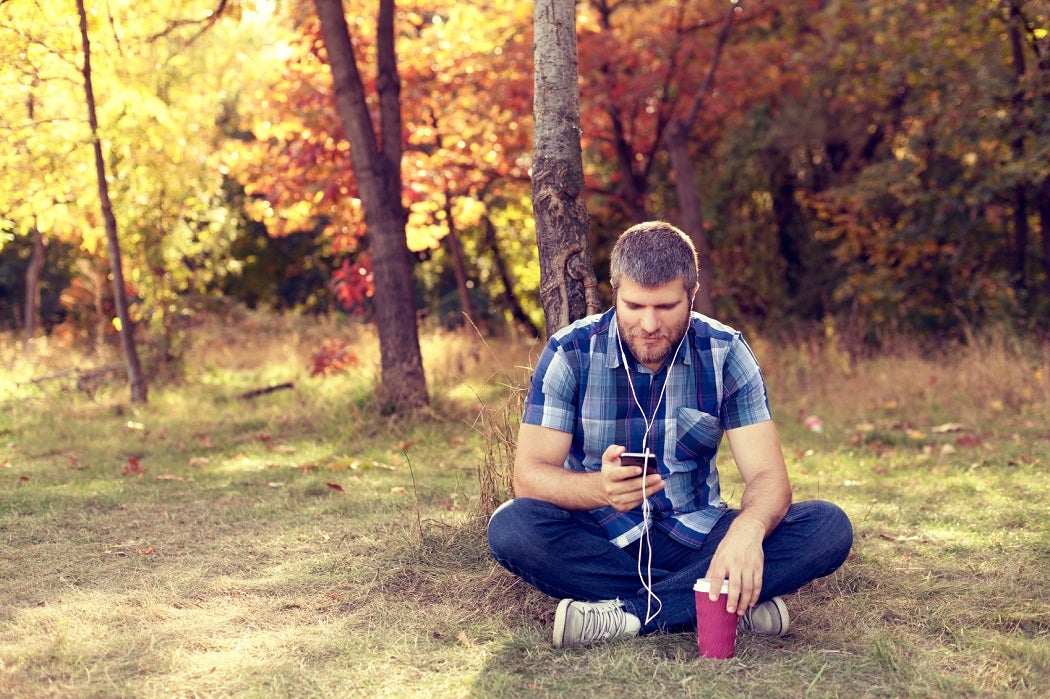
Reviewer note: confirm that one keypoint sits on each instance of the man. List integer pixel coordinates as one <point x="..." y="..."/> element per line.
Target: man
<point x="624" y="550"/>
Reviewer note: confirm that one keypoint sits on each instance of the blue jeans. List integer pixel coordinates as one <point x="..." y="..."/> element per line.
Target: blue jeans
<point x="566" y="554"/>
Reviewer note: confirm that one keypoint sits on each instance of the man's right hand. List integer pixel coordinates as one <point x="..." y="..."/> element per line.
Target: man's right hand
<point x="624" y="490"/>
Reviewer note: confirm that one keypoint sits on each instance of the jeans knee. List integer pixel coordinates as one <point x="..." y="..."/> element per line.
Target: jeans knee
<point x="839" y="529"/>
<point x="513" y="527"/>
<point x="501" y="533"/>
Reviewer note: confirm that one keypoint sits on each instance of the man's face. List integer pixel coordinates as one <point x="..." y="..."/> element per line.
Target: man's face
<point x="652" y="320"/>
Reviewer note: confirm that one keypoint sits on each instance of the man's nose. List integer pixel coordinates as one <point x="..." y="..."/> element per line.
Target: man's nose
<point x="650" y="321"/>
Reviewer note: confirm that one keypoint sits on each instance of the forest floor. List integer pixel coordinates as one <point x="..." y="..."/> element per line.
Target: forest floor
<point x="297" y="543"/>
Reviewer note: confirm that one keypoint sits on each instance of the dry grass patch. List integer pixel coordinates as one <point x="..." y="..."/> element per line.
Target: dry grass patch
<point x="299" y="544"/>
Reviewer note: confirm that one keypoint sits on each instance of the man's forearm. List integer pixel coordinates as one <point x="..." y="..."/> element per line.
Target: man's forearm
<point x="765" y="501"/>
<point x="569" y="490"/>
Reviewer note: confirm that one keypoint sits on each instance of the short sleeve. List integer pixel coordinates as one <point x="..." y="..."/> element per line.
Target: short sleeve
<point x="745" y="400"/>
<point x="553" y="392"/>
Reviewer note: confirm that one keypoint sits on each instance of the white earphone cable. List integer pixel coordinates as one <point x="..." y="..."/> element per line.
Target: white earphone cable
<point x="645" y="542"/>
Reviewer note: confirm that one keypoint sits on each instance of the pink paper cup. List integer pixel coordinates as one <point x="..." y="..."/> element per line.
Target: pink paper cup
<point x="715" y="627"/>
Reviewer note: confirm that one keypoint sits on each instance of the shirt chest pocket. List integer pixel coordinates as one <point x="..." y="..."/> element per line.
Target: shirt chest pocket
<point x="698" y="435"/>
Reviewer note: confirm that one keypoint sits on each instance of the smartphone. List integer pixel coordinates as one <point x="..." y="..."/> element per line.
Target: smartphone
<point x="646" y="461"/>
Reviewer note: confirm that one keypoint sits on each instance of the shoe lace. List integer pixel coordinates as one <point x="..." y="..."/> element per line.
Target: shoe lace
<point x="745" y="620"/>
<point x="603" y="622"/>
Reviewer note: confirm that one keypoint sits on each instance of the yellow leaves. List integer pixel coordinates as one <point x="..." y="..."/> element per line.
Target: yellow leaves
<point x="424" y="236"/>
<point x="284" y="130"/>
<point x="469" y="211"/>
<point x="54" y="220"/>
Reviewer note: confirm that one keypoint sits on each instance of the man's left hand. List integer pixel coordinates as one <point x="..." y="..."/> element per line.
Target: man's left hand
<point x="739" y="559"/>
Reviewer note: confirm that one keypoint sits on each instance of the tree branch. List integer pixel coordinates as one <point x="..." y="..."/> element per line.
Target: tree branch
<point x="206" y="24"/>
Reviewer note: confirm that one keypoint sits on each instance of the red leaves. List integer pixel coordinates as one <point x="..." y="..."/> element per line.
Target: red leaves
<point x="332" y="357"/>
<point x="133" y="468"/>
<point x="352" y="284"/>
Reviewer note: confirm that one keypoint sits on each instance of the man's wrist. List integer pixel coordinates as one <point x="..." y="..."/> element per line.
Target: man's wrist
<point x="749" y="526"/>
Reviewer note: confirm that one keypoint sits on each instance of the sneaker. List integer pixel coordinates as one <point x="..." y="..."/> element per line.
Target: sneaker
<point x="583" y="623"/>
<point x="770" y="618"/>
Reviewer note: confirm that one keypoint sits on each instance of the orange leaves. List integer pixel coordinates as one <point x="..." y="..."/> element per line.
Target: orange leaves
<point x="332" y="357"/>
<point x="353" y="283"/>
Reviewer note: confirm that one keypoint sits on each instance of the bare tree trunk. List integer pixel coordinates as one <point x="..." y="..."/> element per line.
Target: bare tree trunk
<point x="378" y="173"/>
<point x="1044" y="223"/>
<point x="677" y="139"/>
<point x="568" y="288"/>
<point x="458" y="267"/>
<point x="509" y="297"/>
<point x="689" y="206"/>
<point x="1020" y="213"/>
<point x="136" y="378"/>
<point x="33" y="273"/>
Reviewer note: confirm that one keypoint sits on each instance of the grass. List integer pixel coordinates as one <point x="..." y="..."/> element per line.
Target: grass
<point x="299" y="544"/>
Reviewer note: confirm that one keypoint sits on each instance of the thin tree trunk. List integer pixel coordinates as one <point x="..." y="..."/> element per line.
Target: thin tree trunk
<point x="568" y="288"/>
<point x="136" y="378"/>
<point x="677" y="139"/>
<point x="1044" y="222"/>
<point x="1020" y="213"/>
<point x="690" y="210"/>
<point x="378" y="175"/>
<point x="33" y="274"/>
<point x="509" y="297"/>
<point x="458" y="266"/>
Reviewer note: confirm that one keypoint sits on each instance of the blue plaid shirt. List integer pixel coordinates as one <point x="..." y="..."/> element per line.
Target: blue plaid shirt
<point x="580" y="386"/>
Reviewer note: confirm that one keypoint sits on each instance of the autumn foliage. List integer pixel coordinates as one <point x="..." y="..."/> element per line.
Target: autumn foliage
<point x="881" y="163"/>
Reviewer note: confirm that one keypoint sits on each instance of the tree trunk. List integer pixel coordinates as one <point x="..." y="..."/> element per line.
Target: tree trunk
<point x="677" y="139"/>
<point x="458" y="267"/>
<point x="136" y="379"/>
<point x="378" y="175"/>
<point x="33" y="273"/>
<point x="690" y="210"/>
<point x="633" y="184"/>
<point x="568" y="288"/>
<point x="1044" y="228"/>
<point x="509" y="297"/>
<point x="1020" y="213"/>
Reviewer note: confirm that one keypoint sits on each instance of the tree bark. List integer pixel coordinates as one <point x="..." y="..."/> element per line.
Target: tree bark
<point x="377" y="169"/>
<point x="677" y="139"/>
<point x="1017" y="146"/>
<point x="458" y="266"/>
<point x="33" y="273"/>
<point x="136" y="379"/>
<point x="1044" y="227"/>
<point x="509" y="297"/>
<point x="568" y="288"/>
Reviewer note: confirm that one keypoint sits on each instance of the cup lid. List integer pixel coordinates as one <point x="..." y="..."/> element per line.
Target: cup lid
<point x="704" y="585"/>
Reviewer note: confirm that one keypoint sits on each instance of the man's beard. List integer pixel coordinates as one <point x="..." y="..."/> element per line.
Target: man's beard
<point x="658" y="352"/>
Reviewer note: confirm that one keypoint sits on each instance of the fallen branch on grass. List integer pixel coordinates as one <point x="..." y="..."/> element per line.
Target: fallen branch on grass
<point x="86" y="380"/>
<point x="263" y="391"/>
<point x="79" y="374"/>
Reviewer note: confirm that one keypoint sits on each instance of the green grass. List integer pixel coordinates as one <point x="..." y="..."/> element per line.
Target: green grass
<point x="299" y="544"/>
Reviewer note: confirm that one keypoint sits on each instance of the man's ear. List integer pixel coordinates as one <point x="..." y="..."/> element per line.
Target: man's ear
<point x="692" y="296"/>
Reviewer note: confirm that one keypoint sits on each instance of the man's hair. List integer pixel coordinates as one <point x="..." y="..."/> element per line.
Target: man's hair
<point x="653" y="254"/>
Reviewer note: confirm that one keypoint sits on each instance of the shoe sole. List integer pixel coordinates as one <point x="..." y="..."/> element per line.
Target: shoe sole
<point x="785" y="621"/>
<point x="559" y="622"/>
